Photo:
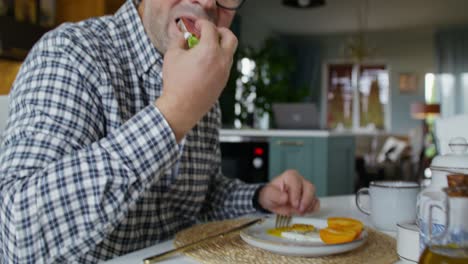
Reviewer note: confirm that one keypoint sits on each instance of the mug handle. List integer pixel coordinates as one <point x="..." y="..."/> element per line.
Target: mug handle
<point x="362" y="191"/>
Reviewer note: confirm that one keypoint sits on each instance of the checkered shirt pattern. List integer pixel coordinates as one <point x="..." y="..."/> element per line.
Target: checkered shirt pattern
<point x="86" y="165"/>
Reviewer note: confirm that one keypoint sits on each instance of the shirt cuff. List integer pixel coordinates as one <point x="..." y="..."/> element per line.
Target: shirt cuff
<point x="256" y="203"/>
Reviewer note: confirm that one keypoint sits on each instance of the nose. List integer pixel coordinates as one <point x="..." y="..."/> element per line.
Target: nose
<point x="206" y="4"/>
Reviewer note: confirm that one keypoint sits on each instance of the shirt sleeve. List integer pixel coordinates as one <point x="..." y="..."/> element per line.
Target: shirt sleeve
<point x="64" y="183"/>
<point x="227" y="198"/>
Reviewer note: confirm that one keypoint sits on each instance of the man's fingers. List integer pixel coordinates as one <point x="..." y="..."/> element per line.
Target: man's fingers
<point x="293" y="184"/>
<point x="276" y="200"/>
<point x="228" y="40"/>
<point x="277" y="197"/>
<point x="208" y="32"/>
<point x="314" y="206"/>
<point x="273" y="199"/>
<point x="308" y="194"/>
<point x="293" y="194"/>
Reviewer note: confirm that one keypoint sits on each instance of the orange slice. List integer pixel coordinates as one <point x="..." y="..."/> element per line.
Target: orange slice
<point x="337" y="235"/>
<point x="346" y="223"/>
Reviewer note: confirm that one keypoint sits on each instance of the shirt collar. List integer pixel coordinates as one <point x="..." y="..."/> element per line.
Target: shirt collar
<point x="142" y="51"/>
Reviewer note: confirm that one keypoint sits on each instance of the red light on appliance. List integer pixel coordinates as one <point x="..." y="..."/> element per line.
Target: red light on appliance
<point x="259" y="151"/>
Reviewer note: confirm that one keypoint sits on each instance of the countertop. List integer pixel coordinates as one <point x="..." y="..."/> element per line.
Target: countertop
<point x="232" y="134"/>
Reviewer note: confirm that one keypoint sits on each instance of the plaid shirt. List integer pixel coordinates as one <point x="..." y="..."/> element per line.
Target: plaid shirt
<point x="87" y="159"/>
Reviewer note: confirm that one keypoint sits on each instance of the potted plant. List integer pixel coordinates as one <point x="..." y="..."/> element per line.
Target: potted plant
<point x="264" y="78"/>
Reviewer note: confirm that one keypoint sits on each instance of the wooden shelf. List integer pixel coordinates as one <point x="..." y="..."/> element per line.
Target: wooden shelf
<point x="17" y="38"/>
<point x="72" y="10"/>
<point x="8" y="71"/>
<point x="13" y="54"/>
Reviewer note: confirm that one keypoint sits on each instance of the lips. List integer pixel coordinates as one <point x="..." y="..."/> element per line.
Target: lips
<point x="189" y="25"/>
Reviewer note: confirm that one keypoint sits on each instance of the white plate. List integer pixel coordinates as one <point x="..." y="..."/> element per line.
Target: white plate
<point x="257" y="236"/>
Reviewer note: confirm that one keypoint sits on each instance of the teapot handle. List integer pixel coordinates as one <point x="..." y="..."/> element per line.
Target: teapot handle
<point x="419" y="203"/>
<point x="444" y="232"/>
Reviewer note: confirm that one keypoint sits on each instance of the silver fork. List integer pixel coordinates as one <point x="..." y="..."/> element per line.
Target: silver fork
<point x="282" y="221"/>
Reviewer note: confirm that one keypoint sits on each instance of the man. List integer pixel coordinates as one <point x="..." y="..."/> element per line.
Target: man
<point x="102" y="157"/>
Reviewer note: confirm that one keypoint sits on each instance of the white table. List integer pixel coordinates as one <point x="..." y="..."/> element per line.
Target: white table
<point x="330" y="206"/>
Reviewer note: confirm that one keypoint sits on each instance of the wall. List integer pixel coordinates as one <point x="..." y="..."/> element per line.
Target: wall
<point x="8" y="70"/>
<point x="3" y="113"/>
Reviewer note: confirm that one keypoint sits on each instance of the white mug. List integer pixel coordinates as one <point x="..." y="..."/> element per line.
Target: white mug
<point x="391" y="202"/>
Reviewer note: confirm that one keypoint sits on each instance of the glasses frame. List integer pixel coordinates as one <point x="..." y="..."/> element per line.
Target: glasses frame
<point x="230" y="8"/>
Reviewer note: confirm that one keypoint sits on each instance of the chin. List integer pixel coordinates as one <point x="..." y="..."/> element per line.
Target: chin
<point x="163" y="41"/>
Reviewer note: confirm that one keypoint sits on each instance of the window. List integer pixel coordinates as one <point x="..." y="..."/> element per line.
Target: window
<point x="357" y="96"/>
<point x="450" y="90"/>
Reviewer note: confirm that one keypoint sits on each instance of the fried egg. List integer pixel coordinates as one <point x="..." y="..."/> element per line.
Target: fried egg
<point x="297" y="232"/>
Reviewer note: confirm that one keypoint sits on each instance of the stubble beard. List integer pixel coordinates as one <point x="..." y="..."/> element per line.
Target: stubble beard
<point x="157" y="27"/>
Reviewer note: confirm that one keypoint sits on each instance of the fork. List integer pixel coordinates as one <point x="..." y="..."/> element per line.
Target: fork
<point x="282" y="221"/>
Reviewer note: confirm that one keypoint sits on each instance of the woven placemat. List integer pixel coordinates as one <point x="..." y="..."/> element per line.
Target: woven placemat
<point x="379" y="248"/>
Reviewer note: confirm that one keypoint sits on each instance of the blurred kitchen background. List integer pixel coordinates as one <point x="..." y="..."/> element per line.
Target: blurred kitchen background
<point x="345" y="91"/>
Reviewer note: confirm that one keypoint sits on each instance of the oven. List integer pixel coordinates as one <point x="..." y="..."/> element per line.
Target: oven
<point x="245" y="158"/>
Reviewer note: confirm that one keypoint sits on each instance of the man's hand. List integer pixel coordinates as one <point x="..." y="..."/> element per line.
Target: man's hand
<point x="194" y="78"/>
<point x="289" y="194"/>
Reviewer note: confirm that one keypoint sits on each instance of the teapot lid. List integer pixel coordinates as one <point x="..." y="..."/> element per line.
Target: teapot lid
<point x="456" y="160"/>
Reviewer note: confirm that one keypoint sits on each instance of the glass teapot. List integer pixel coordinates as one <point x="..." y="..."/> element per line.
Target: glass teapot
<point x="454" y="162"/>
<point x="450" y="246"/>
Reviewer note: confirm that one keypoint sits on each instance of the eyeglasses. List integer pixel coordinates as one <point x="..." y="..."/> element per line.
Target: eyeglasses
<point x="230" y="4"/>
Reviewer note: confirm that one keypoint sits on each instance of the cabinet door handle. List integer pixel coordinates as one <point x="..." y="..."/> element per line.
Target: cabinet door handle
<point x="290" y="143"/>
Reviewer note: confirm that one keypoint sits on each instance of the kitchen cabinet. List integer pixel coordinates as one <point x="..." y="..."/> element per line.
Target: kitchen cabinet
<point x="328" y="161"/>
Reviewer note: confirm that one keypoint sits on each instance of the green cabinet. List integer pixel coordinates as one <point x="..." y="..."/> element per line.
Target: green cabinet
<point x="328" y="162"/>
